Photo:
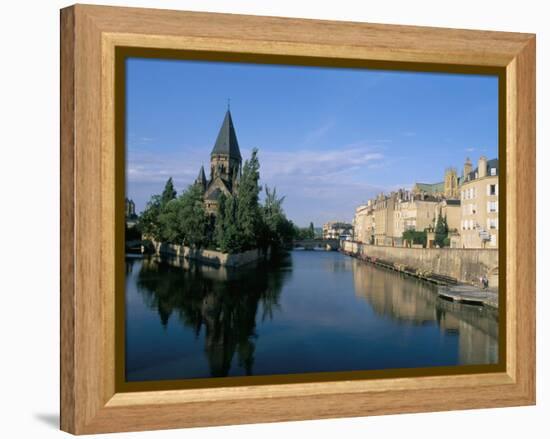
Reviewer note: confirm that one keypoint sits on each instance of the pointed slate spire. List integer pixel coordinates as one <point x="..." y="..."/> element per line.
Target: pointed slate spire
<point x="201" y="179"/>
<point x="226" y="143"/>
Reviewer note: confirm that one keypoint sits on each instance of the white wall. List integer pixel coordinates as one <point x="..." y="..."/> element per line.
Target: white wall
<point x="29" y="170"/>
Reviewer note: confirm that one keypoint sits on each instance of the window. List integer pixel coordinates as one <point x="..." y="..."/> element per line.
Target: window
<point x="492" y="206"/>
<point x="493" y="240"/>
<point x="492" y="223"/>
<point x="493" y="171"/>
<point x="491" y="189"/>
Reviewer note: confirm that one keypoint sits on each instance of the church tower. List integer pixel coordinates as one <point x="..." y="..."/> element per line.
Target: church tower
<point x="450" y="183"/>
<point x="225" y="166"/>
<point x="225" y="158"/>
<point x="201" y="179"/>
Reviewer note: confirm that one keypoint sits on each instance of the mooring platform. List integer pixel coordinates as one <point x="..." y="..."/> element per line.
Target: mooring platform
<point x="469" y="294"/>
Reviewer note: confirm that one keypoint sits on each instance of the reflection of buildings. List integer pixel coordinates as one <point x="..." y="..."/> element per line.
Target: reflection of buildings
<point x="205" y="299"/>
<point x="414" y="302"/>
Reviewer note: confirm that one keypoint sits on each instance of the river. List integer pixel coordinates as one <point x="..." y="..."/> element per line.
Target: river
<point x="308" y="311"/>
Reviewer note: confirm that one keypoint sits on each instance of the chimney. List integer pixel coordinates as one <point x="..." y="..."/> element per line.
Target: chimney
<point x="467" y="168"/>
<point x="482" y="167"/>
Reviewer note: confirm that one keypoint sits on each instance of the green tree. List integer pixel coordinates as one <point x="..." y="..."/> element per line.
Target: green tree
<point x="277" y="229"/>
<point x="169" y="193"/>
<point x="170" y="230"/>
<point x="191" y="218"/>
<point x="248" y="214"/>
<point x="219" y="230"/>
<point x="148" y="223"/>
<point x="227" y="233"/>
<point x="311" y="231"/>
<point x="415" y="237"/>
<point x="441" y="230"/>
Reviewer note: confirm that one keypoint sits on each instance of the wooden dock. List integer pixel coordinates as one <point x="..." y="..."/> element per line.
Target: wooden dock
<point x="469" y="294"/>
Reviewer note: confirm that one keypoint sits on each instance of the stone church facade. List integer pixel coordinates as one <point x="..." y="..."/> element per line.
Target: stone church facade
<point x="225" y="167"/>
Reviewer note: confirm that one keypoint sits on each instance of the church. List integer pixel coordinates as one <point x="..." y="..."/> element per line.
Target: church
<point x="225" y="167"/>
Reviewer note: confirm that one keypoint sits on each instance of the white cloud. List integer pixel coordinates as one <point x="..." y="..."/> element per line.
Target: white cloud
<point x="319" y="185"/>
<point x="318" y="133"/>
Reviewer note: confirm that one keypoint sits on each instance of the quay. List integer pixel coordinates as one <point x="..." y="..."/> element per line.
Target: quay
<point x="454" y="271"/>
<point x="469" y="294"/>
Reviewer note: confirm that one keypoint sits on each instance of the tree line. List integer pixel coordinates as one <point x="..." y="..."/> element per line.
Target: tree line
<point x="241" y="223"/>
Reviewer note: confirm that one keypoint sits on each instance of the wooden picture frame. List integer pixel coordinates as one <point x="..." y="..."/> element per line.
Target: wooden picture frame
<point x="90" y="37"/>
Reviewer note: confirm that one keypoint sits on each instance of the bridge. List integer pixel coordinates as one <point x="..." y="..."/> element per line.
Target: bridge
<point x="311" y="244"/>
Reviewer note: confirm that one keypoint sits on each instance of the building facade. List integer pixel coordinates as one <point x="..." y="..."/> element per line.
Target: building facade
<point x="479" y="199"/>
<point x="337" y="230"/>
<point x="363" y="223"/>
<point x="415" y="214"/>
<point x="469" y="204"/>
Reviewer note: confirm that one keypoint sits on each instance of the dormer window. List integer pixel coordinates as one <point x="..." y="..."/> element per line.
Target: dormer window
<point x="493" y="171"/>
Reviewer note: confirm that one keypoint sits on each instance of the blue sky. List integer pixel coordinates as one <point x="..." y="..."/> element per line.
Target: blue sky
<point x="329" y="139"/>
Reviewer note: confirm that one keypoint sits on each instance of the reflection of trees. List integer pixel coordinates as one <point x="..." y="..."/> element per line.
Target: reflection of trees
<point x="222" y="301"/>
<point x="413" y="302"/>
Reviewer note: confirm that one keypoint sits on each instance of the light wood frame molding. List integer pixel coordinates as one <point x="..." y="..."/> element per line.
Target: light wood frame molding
<point x="89" y="36"/>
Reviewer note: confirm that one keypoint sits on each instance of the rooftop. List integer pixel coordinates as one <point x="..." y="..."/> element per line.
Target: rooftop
<point x="226" y="142"/>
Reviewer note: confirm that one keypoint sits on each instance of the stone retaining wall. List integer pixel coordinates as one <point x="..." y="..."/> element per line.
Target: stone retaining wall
<point x="212" y="257"/>
<point x="465" y="265"/>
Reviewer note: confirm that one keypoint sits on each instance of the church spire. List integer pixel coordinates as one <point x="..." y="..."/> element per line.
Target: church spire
<point x="201" y="179"/>
<point x="226" y="142"/>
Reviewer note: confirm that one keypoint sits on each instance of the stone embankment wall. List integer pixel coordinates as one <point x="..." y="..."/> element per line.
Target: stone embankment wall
<point x="212" y="257"/>
<point x="465" y="265"/>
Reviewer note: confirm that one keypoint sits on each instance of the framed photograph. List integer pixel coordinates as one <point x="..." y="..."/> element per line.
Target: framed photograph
<point x="268" y="219"/>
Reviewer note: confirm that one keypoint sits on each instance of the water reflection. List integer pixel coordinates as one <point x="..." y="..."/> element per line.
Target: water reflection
<point x="307" y="312"/>
<point x="413" y="302"/>
<point x="219" y="301"/>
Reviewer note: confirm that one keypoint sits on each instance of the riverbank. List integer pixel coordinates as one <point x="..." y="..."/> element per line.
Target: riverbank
<point x="446" y="264"/>
<point x="210" y="257"/>
<point x="469" y="295"/>
<point x="447" y="268"/>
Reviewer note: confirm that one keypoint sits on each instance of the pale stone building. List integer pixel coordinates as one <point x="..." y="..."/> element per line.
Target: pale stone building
<point x="337" y="230"/>
<point x="383" y="220"/>
<point x="383" y="208"/>
<point x="469" y="204"/>
<point x="415" y="214"/>
<point x="363" y="223"/>
<point x="450" y="209"/>
<point x="479" y="199"/>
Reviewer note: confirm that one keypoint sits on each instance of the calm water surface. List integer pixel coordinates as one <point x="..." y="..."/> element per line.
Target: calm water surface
<point x="311" y="311"/>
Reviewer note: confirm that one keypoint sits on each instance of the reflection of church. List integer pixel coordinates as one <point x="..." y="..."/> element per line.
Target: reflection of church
<point x="225" y="166"/>
<point x="223" y="304"/>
